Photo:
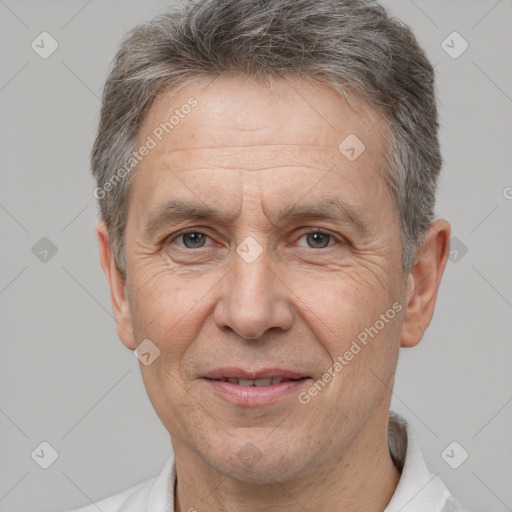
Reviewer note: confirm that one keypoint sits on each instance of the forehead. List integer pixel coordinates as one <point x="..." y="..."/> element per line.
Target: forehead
<point x="284" y="136"/>
<point x="232" y="111"/>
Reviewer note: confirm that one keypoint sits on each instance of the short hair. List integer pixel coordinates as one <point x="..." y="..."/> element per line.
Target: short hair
<point x="351" y="45"/>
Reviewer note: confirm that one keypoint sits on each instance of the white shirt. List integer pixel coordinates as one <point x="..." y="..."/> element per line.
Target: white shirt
<point x="418" y="490"/>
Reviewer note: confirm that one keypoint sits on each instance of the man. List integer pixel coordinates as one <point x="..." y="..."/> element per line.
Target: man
<point x="266" y="171"/>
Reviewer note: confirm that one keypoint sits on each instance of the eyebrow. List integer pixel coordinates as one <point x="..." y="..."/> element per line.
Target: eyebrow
<point x="331" y="209"/>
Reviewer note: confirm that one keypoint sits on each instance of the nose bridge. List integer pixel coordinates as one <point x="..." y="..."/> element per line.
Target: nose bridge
<point x="252" y="300"/>
<point x="252" y="277"/>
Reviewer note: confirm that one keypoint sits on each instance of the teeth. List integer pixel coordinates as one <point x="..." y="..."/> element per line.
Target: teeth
<point x="263" y="382"/>
<point x="254" y="382"/>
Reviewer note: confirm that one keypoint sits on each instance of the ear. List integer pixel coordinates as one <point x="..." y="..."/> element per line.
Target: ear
<point x="117" y="284"/>
<point x="423" y="282"/>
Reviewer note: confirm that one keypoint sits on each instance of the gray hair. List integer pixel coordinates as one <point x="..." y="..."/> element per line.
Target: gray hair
<point x="351" y="45"/>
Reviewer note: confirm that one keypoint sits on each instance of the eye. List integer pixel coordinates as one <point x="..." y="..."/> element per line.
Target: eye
<point x="318" y="239"/>
<point x="192" y="239"/>
<point x="196" y="240"/>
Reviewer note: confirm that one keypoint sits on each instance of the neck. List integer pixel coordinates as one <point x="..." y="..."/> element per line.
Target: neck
<point x="361" y="479"/>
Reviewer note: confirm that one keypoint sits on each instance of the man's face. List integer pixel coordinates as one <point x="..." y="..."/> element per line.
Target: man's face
<point x="301" y="255"/>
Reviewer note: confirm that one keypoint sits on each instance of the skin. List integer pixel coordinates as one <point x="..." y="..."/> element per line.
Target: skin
<point x="249" y="150"/>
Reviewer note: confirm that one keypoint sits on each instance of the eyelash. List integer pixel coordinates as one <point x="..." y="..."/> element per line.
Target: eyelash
<point x="314" y="231"/>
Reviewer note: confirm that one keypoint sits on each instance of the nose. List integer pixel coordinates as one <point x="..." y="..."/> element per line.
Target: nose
<point x="254" y="300"/>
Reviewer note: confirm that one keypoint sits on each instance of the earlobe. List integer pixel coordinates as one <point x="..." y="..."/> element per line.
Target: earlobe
<point x="423" y="282"/>
<point x="117" y="285"/>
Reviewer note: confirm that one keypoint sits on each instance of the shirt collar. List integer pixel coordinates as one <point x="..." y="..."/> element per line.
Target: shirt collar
<point x="418" y="490"/>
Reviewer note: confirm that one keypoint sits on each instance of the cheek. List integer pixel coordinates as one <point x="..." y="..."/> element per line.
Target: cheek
<point x="168" y="307"/>
<point x="356" y="317"/>
<point x="170" y="310"/>
<point x="342" y="303"/>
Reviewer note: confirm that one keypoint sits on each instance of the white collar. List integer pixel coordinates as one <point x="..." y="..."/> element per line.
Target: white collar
<point x="418" y="490"/>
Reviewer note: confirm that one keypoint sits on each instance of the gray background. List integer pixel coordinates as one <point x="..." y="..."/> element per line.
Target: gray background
<point x="65" y="378"/>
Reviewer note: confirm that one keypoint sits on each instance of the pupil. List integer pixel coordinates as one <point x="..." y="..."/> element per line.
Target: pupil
<point x="197" y="239"/>
<point x="319" y="238"/>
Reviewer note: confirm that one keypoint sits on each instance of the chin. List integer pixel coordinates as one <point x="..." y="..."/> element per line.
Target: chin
<point x="258" y="462"/>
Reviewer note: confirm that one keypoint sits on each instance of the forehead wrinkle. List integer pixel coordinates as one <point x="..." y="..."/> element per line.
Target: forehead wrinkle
<point x="191" y="159"/>
<point x="249" y="146"/>
<point x="237" y="169"/>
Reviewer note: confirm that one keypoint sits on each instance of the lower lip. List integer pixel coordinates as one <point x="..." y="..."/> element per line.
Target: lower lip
<point x="255" y="395"/>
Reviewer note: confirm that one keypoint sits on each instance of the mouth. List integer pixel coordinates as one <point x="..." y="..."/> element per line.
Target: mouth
<point x="269" y="381"/>
<point x="254" y="388"/>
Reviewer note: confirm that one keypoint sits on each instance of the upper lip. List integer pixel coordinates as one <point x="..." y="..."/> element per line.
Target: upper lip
<point x="264" y="373"/>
